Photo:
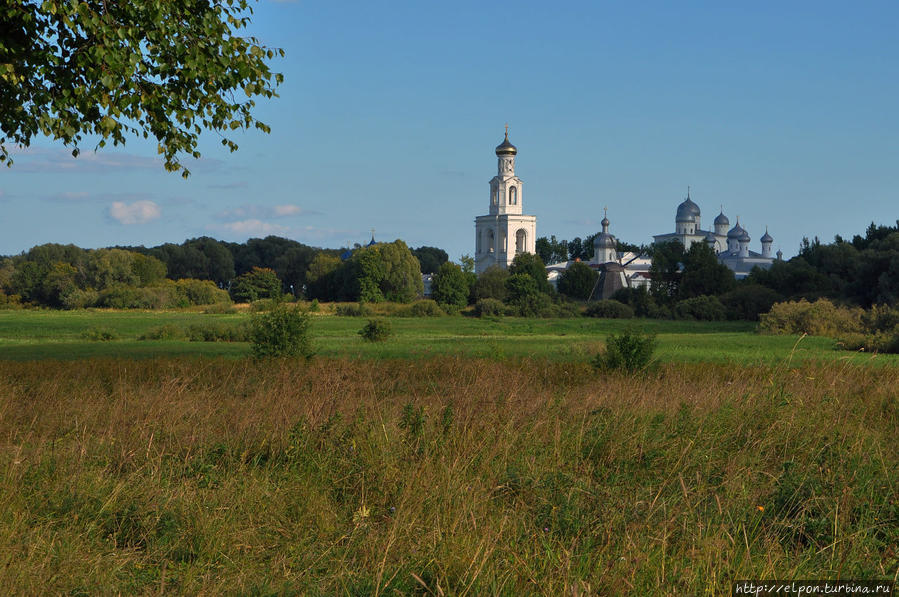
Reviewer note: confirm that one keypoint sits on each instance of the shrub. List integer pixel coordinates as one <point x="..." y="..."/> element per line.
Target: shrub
<point x="313" y="306"/>
<point x="219" y="332"/>
<point x="351" y="310"/>
<point x="637" y="299"/>
<point x="281" y="332"/>
<point x="423" y="308"/>
<point x="630" y="350"/>
<point x="168" y="331"/>
<point x="376" y="330"/>
<point x="821" y="318"/>
<point x="702" y="308"/>
<point x="77" y="298"/>
<point x="98" y="334"/>
<point x="267" y="304"/>
<point x="489" y="307"/>
<point x="201" y="292"/>
<point x="533" y="305"/>
<point x="609" y="309"/>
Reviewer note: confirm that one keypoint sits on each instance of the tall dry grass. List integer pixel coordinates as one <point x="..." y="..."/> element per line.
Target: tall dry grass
<point x="448" y="476"/>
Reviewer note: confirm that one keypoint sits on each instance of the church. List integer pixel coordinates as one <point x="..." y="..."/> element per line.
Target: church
<point x="505" y="231"/>
<point x="731" y="246"/>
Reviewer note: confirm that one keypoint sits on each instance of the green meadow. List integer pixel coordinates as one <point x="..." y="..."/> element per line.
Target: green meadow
<point x="30" y="335"/>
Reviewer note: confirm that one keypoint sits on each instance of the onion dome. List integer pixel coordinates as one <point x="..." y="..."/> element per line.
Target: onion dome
<point x="744" y="237"/>
<point x="710" y="238"/>
<point x="604" y="240"/>
<point x="767" y="238"/>
<point x="722" y="220"/>
<point x="687" y="211"/>
<point x="506" y="148"/>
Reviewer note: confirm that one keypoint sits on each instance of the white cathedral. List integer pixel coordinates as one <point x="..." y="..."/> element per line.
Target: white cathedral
<point x="505" y="231"/>
<point x="731" y="246"/>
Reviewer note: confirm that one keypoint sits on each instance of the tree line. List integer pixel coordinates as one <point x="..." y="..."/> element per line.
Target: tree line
<point x="67" y="276"/>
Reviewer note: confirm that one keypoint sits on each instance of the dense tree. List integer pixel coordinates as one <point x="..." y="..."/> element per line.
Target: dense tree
<point x="450" y="285"/>
<point x="430" y="258"/>
<point x="148" y="269"/>
<point x="580" y="249"/>
<point x="258" y="283"/>
<point x="321" y="278"/>
<point x="551" y="250"/>
<point x="202" y="258"/>
<point x="577" y="281"/>
<point x="384" y="271"/>
<point x="665" y="270"/>
<point x="748" y="300"/>
<point x="521" y="287"/>
<point x="490" y="284"/>
<point x="114" y="70"/>
<point x="703" y="274"/>
<point x="531" y="265"/>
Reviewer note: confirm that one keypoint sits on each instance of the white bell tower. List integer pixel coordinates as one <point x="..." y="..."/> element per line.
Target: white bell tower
<point x="505" y="232"/>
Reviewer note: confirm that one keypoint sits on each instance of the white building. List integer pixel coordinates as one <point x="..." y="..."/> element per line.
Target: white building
<point x="505" y="231"/>
<point x="731" y="246"/>
<point x="616" y="270"/>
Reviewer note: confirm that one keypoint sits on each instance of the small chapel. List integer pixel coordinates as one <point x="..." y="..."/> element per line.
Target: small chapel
<point x="505" y="231"/>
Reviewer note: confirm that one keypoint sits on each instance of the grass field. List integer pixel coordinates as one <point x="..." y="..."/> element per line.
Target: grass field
<point x="448" y="475"/>
<point x="27" y="335"/>
<point x="461" y="457"/>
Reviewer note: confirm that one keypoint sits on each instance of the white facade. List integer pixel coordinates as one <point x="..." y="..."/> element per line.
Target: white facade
<point x="505" y="231"/>
<point x="731" y="246"/>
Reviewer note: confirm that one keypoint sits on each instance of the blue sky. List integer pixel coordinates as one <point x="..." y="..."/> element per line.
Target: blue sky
<point x="785" y="113"/>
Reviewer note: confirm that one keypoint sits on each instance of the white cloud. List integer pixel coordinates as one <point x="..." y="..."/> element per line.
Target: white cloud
<point x="255" y="226"/>
<point x="139" y="212"/>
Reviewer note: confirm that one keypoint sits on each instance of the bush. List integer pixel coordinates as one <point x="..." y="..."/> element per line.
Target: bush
<point x="489" y="307"/>
<point x="639" y="300"/>
<point x="167" y="331"/>
<point x="97" y="334"/>
<point x="351" y="310"/>
<point x="376" y="330"/>
<point x="821" y="318"/>
<point x="532" y="305"/>
<point x="77" y="298"/>
<point x="267" y="304"/>
<point x="219" y="332"/>
<point x="609" y="309"/>
<point x="201" y="292"/>
<point x="423" y="308"/>
<point x="701" y="308"/>
<point x="629" y="351"/>
<point x="281" y="332"/>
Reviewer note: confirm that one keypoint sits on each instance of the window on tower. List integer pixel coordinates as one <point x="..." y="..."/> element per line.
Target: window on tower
<point x="513" y="196"/>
